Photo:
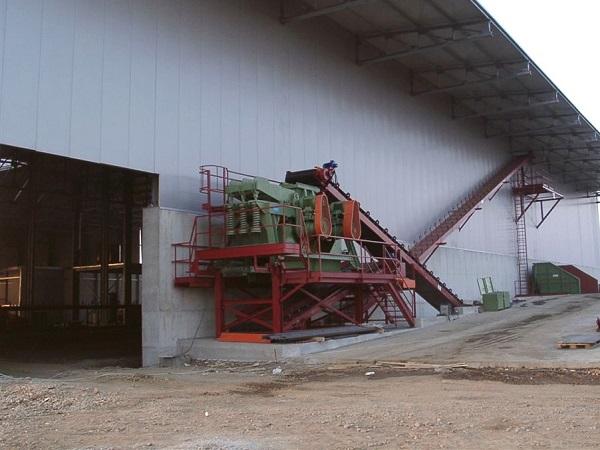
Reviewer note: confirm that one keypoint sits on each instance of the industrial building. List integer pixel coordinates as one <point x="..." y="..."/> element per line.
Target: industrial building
<point x="448" y="134"/>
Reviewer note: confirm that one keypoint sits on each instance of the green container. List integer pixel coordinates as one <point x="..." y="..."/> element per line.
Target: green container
<point x="506" y="296"/>
<point x="551" y="279"/>
<point x="495" y="301"/>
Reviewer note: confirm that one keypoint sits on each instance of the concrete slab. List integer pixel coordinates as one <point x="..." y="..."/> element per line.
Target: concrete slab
<point x="211" y="349"/>
<point x="581" y="339"/>
<point x="524" y="335"/>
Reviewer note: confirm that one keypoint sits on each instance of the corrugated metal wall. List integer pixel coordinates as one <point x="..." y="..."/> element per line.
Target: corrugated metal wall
<point x="165" y="85"/>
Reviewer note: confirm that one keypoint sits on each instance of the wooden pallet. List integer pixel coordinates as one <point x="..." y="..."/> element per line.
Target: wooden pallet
<point x="571" y="345"/>
<point x="579" y="342"/>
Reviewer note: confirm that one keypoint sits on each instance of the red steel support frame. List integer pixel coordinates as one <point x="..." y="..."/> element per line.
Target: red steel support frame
<point x="269" y="314"/>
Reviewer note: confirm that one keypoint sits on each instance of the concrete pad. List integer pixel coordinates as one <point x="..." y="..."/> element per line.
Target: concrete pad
<point x="524" y="335"/>
<point x="212" y="349"/>
<point x="581" y="339"/>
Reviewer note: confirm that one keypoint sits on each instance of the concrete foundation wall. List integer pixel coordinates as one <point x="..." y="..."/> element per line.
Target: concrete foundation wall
<point x="169" y="313"/>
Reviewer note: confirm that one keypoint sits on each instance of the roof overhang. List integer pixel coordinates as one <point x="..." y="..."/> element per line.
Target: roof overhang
<point x="455" y="48"/>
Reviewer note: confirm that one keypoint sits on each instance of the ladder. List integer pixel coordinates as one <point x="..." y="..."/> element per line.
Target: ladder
<point x="522" y="283"/>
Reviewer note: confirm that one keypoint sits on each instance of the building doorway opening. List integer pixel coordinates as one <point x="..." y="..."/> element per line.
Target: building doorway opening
<point x="70" y="258"/>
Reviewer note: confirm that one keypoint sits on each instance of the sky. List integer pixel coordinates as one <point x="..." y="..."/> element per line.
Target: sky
<point x="562" y="37"/>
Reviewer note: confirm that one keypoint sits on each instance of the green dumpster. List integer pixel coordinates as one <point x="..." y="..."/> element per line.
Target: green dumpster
<point x="550" y="279"/>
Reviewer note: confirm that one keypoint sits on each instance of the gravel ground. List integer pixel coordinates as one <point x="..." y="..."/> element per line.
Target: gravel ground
<point x="244" y="406"/>
<point x="23" y="401"/>
<point x="494" y="380"/>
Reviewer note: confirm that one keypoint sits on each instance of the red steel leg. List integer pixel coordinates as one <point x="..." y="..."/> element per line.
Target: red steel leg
<point x="219" y="304"/>
<point x="276" y="299"/>
<point x="358" y="305"/>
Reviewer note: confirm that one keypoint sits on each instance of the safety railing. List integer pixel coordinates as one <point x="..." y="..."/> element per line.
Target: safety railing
<point x="218" y="229"/>
<point x="227" y="223"/>
<point x="385" y="260"/>
<point x="536" y="179"/>
<point x="214" y="179"/>
<point x="355" y="257"/>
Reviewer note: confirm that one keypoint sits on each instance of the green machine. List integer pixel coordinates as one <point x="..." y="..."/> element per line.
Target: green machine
<point x="492" y="300"/>
<point x="260" y="212"/>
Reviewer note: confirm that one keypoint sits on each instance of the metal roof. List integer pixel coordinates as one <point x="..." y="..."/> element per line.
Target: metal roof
<point x="455" y="48"/>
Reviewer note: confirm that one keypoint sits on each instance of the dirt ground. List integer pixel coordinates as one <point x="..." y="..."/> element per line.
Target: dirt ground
<point x="400" y="392"/>
<point x="244" y="406"/>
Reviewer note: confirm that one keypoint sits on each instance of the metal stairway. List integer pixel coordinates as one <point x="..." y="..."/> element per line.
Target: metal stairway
<point x="388" y="302"/>
<point x="459" y="215"/>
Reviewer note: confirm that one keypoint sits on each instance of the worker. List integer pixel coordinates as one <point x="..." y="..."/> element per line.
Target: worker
<point x="328" y="171"/>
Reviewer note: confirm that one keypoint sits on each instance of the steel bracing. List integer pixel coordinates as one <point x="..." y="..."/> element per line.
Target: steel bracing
<point x="529" y="189"/>
<point x="425" y="39"/>
<point x="533" y="189"/>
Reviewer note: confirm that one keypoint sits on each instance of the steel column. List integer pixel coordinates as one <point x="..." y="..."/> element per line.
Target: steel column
<point x="219" y="306"/>
<point x="127" y="236"/>
<point x="104" y="236"/>
<point x="277" y="322"/>
<point x="76" y="249"/>
<point x="358" y="305"/>
<point x="31" y="233"/>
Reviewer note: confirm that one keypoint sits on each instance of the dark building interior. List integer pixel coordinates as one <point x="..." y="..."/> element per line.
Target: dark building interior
<point x="70" y="257"/>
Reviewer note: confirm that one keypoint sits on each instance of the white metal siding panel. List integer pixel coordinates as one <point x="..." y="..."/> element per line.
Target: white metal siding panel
<point x="88" y="64"/>
<point x="142" y="108"/>
<point x="20" y="72"/>
<point x="190" y="111"/>
<point x="570" y="235"/>
<point x="116" y="83"/>
<point x="168" y="99"/>
<point x="56" y="80"/>
<point x="461" y="269"/>
<point x="249" y="103"/>
<point x="210" y="125"/>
